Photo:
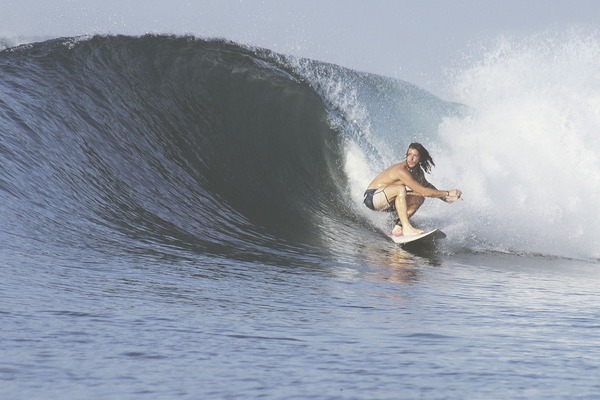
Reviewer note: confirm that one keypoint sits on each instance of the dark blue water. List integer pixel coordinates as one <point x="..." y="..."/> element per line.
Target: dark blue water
<point x="179" y="221"/>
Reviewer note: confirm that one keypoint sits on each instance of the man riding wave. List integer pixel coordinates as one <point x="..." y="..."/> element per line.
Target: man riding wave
<point x="403" y="187"/>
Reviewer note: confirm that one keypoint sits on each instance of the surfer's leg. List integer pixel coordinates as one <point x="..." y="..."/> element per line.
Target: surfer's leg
<point x="402" y="208"/>
<point x="413" y="201"/>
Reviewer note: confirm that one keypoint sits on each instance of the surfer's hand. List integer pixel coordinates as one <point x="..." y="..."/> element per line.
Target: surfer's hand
<point x="453" y="195"/>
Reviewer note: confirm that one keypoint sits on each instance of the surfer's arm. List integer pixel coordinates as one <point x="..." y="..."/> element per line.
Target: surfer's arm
<point x="447" y="198"/>
<point x="427" y="189"/>
<point x="422" y="190"/>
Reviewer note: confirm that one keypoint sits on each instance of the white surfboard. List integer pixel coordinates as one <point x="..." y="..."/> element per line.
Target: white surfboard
<point x="413" y="238"/>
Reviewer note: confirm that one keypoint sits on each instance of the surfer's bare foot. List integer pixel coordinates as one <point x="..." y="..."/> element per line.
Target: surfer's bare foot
<point x="397" y="231"/>
<point x="412" y="231"/>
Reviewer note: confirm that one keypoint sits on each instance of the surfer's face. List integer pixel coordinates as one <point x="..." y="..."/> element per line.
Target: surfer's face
<point x="412" y="158"/>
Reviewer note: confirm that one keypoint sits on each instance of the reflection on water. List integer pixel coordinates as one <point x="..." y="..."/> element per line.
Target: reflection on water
<point x="397" y="264"/>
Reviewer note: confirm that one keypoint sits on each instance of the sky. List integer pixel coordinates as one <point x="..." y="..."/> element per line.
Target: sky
<point x="416" y="41"/>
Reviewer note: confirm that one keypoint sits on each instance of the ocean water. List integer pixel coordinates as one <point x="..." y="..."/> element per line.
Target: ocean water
<point x="182" y="218"/>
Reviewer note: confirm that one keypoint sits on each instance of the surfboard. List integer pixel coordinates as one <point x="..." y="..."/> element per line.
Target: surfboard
<point x="413" y="238"/>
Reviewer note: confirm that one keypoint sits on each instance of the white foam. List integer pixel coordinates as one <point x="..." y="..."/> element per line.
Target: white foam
<point x="527" y="156"/>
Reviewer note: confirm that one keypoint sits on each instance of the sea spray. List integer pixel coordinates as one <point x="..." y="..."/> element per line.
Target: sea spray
<point x="526" y="155"/>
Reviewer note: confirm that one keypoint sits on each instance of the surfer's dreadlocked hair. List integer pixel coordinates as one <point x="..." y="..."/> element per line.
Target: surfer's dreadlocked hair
<point x="426" y="161"/>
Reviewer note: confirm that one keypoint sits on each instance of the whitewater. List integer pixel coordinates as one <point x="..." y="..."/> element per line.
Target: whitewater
<point x="532" y="146"/>
<point x="183" y="218"/>
<point x="525" y="152"/>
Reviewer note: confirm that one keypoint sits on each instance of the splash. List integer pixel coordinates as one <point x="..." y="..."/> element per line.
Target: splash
<point x="526" y="155"/>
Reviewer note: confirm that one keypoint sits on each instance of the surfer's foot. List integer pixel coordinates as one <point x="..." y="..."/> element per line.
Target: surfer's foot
<point x="412" y="231"/>
<point x="397" y="231"/>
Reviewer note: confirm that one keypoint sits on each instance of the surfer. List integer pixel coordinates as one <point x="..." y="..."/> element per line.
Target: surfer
<point x="403" y="187"/>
